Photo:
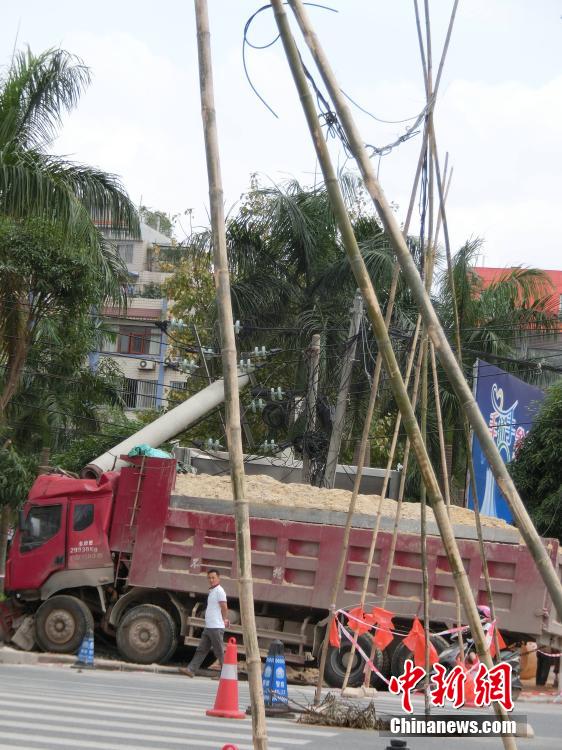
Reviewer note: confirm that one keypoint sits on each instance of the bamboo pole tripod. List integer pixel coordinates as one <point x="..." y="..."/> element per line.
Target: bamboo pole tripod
<point x="431" y="321"/>
<point x="383" y="340"/>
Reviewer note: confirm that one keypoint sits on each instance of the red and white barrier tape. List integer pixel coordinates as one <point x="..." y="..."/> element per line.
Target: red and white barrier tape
<point x="349" y="616"/>
<point x="362" y="653"/>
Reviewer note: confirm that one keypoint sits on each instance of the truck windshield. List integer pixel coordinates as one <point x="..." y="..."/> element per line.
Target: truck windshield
<point x="41" y="524"/>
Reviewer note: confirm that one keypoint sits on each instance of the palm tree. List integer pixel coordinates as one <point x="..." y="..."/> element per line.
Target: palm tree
<point x="57" y="196"/>
<point x="494" y="322"/>
<point x="35" y="92"/>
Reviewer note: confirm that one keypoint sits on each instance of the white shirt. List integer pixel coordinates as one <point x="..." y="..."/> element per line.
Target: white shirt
<point x="213" y="616"/>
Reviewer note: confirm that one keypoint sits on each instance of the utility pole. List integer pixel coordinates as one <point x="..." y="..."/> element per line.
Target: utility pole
<point x="345" y="382"/>
<point x="311" y="396"/>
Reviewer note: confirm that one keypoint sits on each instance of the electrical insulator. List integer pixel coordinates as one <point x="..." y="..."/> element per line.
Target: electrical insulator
<point x="260" y="353"/>
<point x="246" y="366"/>
<point x="257" y="405"/>
<point x="270" y="446"/>
<point x="178" y="325"/>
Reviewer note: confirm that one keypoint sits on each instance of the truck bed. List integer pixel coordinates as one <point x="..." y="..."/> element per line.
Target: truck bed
<point x="295" y="552"/>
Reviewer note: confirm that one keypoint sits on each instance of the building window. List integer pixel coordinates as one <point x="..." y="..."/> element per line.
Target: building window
<point x="140" y="394"/>
<point x="125" y="251"/>
<point x="135" y="339"/>
<point x="178" y="385"/>
<point x="560" y="307"/>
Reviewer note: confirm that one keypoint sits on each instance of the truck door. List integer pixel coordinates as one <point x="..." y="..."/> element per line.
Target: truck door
<point x="88" y="521"/>
<point x="39" y="549"/>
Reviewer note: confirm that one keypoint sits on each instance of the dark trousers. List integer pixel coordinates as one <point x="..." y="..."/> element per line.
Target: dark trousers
<point x="211" y="639"/>
<point x="544" y="663"/>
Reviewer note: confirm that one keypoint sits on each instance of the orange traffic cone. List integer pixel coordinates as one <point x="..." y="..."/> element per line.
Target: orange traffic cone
<point x="226" y="701"/>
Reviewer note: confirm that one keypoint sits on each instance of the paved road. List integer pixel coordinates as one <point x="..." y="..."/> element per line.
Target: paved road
<point x="43" y="708"/>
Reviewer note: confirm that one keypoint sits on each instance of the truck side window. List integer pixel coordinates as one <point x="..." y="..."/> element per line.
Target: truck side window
<point x="82" y="517"/>
<point x="42" y="523"/>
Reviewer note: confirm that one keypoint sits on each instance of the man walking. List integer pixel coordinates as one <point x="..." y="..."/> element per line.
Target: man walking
<point x="215" y="623"/>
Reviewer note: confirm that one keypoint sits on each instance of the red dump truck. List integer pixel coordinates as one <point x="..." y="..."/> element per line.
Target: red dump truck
<point x="126" y="555"/>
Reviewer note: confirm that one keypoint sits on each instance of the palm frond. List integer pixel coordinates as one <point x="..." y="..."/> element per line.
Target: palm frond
<point x="36" y="92"/>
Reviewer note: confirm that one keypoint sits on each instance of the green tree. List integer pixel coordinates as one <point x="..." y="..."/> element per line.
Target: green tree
<point x="537" y="470"/>
<point x="45" y="279"/>
<point x="15" y="481"/>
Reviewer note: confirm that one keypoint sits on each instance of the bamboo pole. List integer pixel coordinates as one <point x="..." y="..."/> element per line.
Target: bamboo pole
<point x="466" y="429"/>
<point x="364" y="283"/>
<point x="228" y="348"/>
<point x="435" y="330"/>
<point x="428" y="74"/>
<point x="423" y="537"/>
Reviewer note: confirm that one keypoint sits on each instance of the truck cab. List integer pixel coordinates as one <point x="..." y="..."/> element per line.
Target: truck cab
<point x="59" y="551"/>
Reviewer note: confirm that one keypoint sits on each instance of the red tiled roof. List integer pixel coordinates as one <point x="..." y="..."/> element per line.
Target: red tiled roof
<point x="153" y="313"/>
<point x="489" y="275"/>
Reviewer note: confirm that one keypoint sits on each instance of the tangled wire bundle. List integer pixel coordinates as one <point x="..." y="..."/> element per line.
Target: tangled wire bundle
<point x="336" y="712"/>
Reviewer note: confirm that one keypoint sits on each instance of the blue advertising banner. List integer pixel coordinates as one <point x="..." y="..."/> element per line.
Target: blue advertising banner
<point x="509" y="406"/>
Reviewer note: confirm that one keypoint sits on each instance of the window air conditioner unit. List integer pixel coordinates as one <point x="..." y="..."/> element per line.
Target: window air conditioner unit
<point x="147" y="364"/>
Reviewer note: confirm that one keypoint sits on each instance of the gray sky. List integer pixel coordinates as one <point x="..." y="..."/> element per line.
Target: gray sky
<point x="499" y="113"/>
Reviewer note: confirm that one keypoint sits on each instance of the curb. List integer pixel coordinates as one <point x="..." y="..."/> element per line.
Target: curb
<point x="12" y="656"/>
<point x="540" y="698"/>
<point x="31" y="658"/>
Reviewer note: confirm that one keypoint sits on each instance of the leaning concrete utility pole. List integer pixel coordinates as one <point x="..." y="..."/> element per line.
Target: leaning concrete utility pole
<point x="310" y="403"/>
<point x="383" y="340"/>
<point x="345" y="382"/>
<point x="430" y="319"/>
<point x="228" y="348"/>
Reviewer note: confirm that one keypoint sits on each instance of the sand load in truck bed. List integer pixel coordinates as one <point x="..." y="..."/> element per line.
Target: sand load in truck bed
<point x="261" y="489"/>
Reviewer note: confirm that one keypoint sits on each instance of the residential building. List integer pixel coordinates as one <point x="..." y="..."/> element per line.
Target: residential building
<point x="140" y="346"/>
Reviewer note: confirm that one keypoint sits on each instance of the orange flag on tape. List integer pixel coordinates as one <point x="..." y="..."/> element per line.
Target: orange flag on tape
<point x="335" y="639"/>
<point x="360" y="627"/>
<point x="492" y="640"/>
<point x="415" y="641"/>
<point x="383" y="619"/>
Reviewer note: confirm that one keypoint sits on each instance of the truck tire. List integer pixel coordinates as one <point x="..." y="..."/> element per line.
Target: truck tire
<point x="384" y="669"/>
<point x="336" y="663"/>
<point x="61" y="624"/>
<point x="402" y="653"/>
<point x="147" y="635"/>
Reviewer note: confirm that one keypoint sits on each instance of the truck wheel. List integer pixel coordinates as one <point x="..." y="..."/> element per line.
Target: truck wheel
<point x="402" y="653"/>
<point x="384" y="669"/>
<point x="61" y="624"/>
<point x="337" y="659"/>
<point x="147" y="635"/>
